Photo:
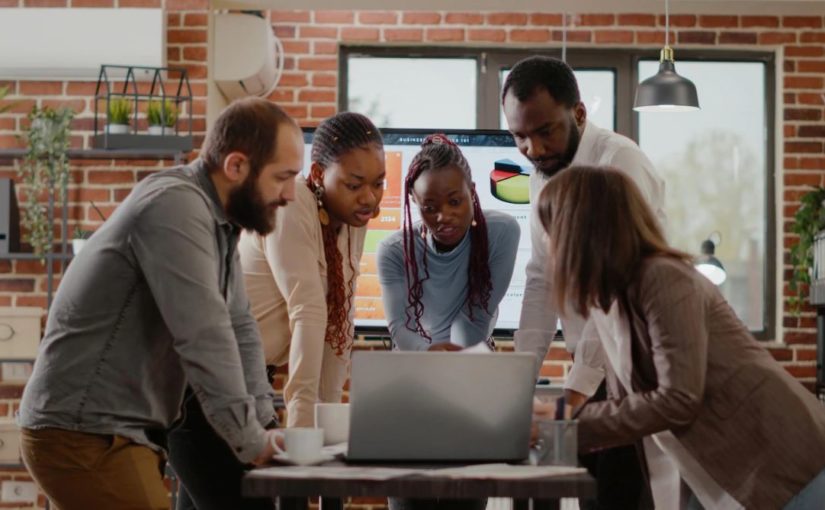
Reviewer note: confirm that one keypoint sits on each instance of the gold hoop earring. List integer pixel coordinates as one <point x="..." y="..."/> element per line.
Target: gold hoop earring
<point x="473" y="223"/>
<point x="323" y="216"/>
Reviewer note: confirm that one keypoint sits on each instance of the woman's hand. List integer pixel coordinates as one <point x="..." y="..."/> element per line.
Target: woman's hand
<point x="445" y="346"/>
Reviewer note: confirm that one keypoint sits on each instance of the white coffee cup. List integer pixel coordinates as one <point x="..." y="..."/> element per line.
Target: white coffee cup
<point x="334" y="419"/>
<point x="301" y="444"/>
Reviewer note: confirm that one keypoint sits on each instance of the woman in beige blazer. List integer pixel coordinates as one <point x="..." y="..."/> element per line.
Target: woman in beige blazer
<point x="301" y="278"/>
<point x="686" y="373"/>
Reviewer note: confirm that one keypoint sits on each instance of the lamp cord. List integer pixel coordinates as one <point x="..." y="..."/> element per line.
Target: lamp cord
<point x="667" y="23"/>
<point x="564" y="38"/>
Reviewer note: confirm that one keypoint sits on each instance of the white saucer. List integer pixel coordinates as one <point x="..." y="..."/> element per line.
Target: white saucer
<point x="283" y="459"/>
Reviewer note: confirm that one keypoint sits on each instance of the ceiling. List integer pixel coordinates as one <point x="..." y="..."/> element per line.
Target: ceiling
<point x="749" y="7"/>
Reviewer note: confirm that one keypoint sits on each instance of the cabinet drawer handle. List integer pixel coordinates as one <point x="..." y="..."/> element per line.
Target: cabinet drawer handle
<point x="6" y="332"/>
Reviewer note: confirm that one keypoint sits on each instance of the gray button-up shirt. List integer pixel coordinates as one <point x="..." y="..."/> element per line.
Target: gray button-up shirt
<point x="154" y="302"/>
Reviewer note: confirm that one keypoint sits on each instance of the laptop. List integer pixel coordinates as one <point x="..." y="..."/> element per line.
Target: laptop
<point x="440" y="407"/>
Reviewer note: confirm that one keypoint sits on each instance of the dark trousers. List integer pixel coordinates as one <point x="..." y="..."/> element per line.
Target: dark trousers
<point x="620" y="484"/>
<point x="209" y="473"/>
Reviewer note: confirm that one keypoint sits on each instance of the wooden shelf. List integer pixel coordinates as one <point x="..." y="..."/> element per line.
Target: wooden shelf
<point x="32" y="256"/>
<point x="105" y="154"/>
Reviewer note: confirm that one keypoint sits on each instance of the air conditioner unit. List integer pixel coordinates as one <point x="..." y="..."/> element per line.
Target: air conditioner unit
<point x="71" y="44"/>
<point x="249" y="58"/>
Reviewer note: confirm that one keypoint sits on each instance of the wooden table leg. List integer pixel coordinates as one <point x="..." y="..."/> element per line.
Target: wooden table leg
<point x="293" y="503"/>
<point x="546" y="504"/>
<point x="327" y="503"/>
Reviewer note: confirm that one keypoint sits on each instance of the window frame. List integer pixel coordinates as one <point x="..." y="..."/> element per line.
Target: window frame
<point x="624" y="63"/>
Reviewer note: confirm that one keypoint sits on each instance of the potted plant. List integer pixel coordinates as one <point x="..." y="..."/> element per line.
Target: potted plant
<point x="809" y="220"/>
<point x="44" y="168"/>
<point x="81" y="236"/>
<point x="79" y="239"/>
<point x="120" y="109"/>
<point x="162" y="117"/>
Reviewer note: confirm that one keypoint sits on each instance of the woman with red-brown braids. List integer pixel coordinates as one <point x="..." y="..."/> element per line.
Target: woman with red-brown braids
<point x="443" y="277"/>
<point x="301" y="278"/>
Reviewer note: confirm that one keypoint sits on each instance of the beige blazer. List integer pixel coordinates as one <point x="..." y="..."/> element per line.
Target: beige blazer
<point x="697" y="372"/>
<point x="286" y="279"/>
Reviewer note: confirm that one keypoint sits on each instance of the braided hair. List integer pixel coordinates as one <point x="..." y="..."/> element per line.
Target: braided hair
<point x="333" y="138"/>
<point x="439" y="152"/>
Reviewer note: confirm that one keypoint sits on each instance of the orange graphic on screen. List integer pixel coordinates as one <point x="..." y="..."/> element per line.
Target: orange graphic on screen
<point x="389" y="219"/>
<point x="368" y="305"/>
<point x="369" y="308"/>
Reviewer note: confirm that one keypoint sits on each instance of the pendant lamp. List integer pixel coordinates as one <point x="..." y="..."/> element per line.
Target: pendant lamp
<point x="666" y="91"/>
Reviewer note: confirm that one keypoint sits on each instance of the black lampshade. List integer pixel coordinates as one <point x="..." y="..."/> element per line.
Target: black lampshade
<point x="666" y="91"/>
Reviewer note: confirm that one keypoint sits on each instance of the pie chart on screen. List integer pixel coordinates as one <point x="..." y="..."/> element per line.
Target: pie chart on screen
<point x="510" y="182"/>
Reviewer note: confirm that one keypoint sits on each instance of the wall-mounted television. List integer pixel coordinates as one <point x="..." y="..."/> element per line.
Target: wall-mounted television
<point x="501" y="176"/>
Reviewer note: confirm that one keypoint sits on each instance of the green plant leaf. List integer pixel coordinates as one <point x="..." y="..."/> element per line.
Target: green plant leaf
<point x="45" y="168"/>
<point x="162" y="113"/>
<point x="120" y="109"/>
<point x="808" y="221"/>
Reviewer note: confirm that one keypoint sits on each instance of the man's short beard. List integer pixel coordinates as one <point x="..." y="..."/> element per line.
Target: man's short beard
<point x="573" y="140"/>
<point x="245" y="207"/>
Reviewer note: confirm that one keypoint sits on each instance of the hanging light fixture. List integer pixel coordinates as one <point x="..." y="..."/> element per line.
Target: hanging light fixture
<point x="666" y="91"/>
<point x="709" y="265"/>
<point x="564" y="38"/>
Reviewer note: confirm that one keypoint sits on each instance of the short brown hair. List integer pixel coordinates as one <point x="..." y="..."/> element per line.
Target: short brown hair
<point x="600" y="230"/>
<point x="248" y="125"/>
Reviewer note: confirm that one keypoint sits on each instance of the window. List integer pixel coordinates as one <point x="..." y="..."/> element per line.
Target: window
<point x="714" y="164"/>
<point x="414" y="93"/>
<point x="717" y="163"/>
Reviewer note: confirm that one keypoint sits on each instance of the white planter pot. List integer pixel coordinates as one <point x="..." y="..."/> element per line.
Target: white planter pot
<point x="161" y="130"/>
<point x="117" y="129"/>
<point x="77" y="245"/>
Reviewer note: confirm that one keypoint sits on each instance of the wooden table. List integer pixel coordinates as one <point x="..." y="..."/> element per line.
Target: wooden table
<point x="292" y="493"/>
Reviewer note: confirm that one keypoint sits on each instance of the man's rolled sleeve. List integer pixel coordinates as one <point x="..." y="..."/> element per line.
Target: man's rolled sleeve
<point x="250" y="346"/>
<point x="537" y="324"/>
<point x="587" y="371"/>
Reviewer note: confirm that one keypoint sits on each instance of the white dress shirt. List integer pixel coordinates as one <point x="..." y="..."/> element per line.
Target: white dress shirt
<point x="597" y="147"/>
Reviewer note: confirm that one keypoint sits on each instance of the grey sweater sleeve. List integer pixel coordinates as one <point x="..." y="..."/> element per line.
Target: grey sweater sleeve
<point x="503" y="234"/>
<point x="394" y="293"/>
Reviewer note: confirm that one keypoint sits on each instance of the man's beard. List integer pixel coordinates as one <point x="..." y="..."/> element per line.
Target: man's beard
<point x="245" y="207"/>
<point x="551" y="169"/>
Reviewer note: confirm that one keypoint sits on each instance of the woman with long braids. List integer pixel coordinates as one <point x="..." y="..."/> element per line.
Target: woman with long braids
<point x="301" y="278"/>
<point x="443" y="277"/>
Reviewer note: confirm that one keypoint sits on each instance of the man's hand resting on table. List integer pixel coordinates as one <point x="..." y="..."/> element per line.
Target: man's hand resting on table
<point x="266" y="454"/>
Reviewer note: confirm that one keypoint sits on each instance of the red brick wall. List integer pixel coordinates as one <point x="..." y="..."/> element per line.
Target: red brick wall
<point x="308" y="90"/>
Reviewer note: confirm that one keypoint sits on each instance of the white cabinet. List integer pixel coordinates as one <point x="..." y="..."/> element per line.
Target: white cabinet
<point x="9" y="442"/>
<point x="19" y="332"/>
